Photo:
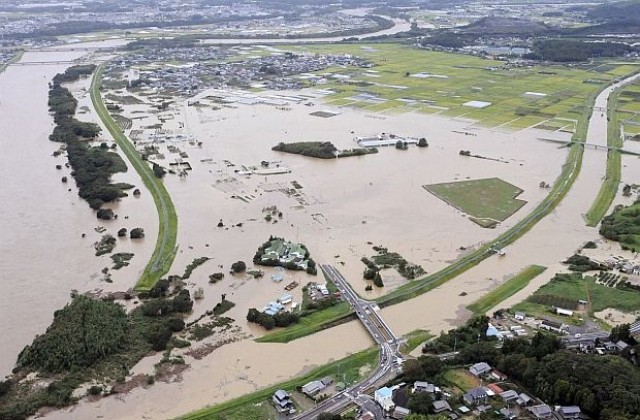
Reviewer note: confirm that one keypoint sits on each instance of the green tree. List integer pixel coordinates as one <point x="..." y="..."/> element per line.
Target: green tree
<point x="238" y="267"/>
<point x="420" y="403"/>
<point x="377" y="280"/>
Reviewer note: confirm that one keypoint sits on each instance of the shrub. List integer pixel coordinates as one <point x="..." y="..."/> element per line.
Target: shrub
<point x="239" y="267"/>
<point x="136" y="233"/>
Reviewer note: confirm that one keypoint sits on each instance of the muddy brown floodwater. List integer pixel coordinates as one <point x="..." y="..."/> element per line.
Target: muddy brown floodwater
<point x="343" y="205"/>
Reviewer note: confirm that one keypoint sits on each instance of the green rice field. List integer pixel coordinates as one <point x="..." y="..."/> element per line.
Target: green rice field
<point x="407" y="79"/>
<point x="486" y="201"/>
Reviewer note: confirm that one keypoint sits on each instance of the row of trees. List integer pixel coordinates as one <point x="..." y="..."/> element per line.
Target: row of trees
<point x="92" y="166"/>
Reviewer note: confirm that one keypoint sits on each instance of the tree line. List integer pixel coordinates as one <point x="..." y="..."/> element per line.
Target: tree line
<point x="92" y="166"/>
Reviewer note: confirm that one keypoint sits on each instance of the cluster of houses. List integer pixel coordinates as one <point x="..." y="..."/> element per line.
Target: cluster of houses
<point x="493" y="398"/>
<point x="623" y="265"/>
<point x="275" y="307"/>
<point x="514" y="404"/>
<point x="597" y="343"/>
<point x="388" y="398"/>
<point x="283" y="253"/>
<point x="202" y="69"/>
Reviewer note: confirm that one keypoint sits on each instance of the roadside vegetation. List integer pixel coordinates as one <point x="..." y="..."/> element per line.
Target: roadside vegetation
<point x="165" y="249"/>
<point x="506" y="289"/>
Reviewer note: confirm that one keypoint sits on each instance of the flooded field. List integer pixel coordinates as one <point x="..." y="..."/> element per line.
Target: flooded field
<point x="338" y="208"/>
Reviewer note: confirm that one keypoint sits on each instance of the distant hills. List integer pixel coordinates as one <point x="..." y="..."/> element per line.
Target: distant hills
<point x="624" y="11"/>
<point x="493" y="25"/>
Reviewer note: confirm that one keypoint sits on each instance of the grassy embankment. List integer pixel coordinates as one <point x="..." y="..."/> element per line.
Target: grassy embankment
<point x="165" y="249"/>
<point x="414" y="339"/>
<point x="609" y="187"/>
<point x="507" y="289"/>
<point x="14" y="59"/>
<point x="310" y="324"/>
<point x="348" y="368"/>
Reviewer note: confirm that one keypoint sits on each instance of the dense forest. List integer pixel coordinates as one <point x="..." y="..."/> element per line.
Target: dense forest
<point x="605" y="387"/>
<point x="566" y="50"/>
<point x="92" y="166"/>
<point x="623" y="225"/>
<point x="91" y="339"/>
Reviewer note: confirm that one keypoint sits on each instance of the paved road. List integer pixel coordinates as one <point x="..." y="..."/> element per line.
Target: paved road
<point x="390" y="356"/>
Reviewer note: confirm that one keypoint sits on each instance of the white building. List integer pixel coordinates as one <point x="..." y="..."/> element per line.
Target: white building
<point x="383" y="396"/>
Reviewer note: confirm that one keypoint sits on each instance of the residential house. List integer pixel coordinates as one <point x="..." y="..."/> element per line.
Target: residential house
<point x="480" y="369"/>
<point x="570" y="412"/>
<point x="314" y="387"/>
<point x="524" y="400"/>
<point x="273" y="308"/>
<point x="282" y="401"/>
<point x="508" y="396"/>
<point x="420" y="386"/>
<point x="383" y="396"/>
<point x="508" y="414"/>
<point x="634" y="328"/>
<point x="285" y="299"/>
<point x="475" y="396"/>
<point x="621" y="345"/>
<point x="541" y="411"/>
<point x="495" y="388"/>
<point x="441" y="405"/>
<point x="493" y="332"/>
<point x="367" y="415"/>
<point x="400" y="413"/>
<point x="552" y="326"/>
<point x="497" y="375"/>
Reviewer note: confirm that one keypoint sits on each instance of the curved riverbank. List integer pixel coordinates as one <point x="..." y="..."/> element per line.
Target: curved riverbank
<point x="166" y="247"/>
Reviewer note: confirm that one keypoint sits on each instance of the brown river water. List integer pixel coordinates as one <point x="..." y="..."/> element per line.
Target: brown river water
<point x="347" y="203"/>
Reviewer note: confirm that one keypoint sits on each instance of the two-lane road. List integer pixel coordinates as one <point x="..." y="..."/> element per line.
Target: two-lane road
<point x="382" y="335"/>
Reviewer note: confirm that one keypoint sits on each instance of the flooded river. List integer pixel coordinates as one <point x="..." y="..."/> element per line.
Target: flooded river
<point x="350" y="204"/>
